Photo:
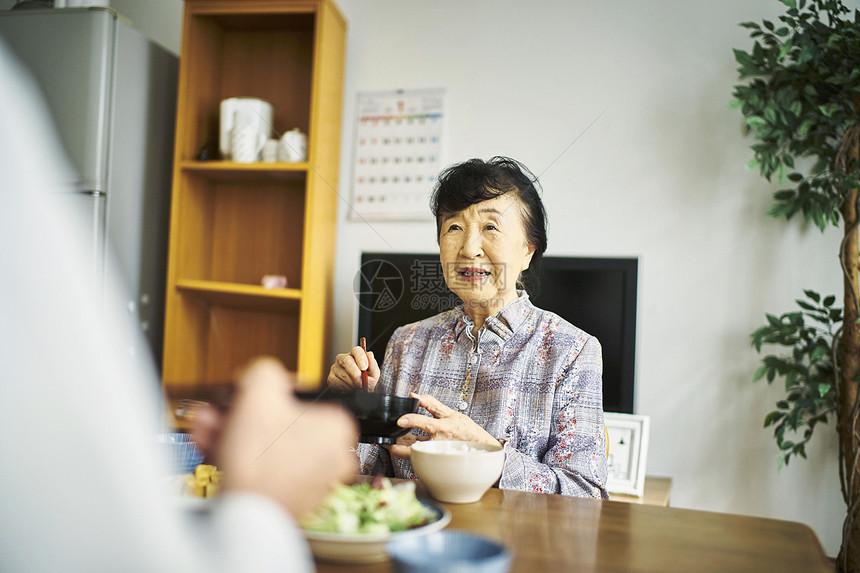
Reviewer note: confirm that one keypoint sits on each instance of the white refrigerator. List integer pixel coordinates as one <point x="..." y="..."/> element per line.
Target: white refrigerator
<point x="112" y="93"/>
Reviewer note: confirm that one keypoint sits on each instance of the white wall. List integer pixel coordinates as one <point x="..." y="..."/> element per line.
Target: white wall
<point x="660" y="176"/>
<point x="161" y="20"/>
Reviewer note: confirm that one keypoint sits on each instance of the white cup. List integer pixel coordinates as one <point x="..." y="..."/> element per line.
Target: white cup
<point x="245" y="109"/>
<point x="270" y="151"/>
<point x="246" y="143"/>
<point x="294" y="146"/>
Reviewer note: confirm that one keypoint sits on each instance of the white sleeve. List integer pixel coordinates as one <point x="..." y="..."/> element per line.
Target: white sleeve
<point x="82" y="483"/>
<point x="257" y="536"/>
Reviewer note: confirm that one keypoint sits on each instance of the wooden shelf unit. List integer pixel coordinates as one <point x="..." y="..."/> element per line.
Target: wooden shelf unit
<point x="233" y="223"/>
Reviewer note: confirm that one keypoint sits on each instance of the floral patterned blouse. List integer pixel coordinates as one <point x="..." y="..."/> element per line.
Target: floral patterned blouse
<point x="530" y="379"/>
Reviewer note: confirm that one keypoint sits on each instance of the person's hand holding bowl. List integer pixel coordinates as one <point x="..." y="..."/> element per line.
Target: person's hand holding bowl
<point x="446" y="424"/>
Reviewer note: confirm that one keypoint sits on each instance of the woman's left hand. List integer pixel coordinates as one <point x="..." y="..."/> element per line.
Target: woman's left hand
<point x="446" y="424"/>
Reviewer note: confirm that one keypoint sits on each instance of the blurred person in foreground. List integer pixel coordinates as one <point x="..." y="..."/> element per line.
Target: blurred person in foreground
<point x="495" y="369"/>
<point x="82" y="484"/>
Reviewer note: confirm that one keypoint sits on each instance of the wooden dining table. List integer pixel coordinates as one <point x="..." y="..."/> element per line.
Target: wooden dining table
<point x="556" y="533"/>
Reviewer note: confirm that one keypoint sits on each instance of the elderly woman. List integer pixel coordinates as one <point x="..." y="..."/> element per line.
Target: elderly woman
<point x="496" y="369"/>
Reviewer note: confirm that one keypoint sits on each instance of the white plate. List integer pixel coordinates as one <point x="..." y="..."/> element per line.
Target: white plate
<point x="368" y="548"/>
<point x="176" y="487"/>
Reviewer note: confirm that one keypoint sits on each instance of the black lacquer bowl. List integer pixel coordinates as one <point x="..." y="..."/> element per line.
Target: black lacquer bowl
<point x="377" y="415"/>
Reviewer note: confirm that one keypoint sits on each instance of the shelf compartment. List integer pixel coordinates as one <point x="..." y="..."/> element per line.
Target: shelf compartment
<point x="238" y="232"/>
<point x="244" y="296"/>
<point x="212" y="340"/>
<point x="250" y="172"/>
<point x="236" y="336"/>
<point x="217" y="328"/>
<point x="267" y="56"/>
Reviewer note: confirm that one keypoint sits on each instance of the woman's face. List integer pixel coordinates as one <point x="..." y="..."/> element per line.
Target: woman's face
<point x="483" y="249"/>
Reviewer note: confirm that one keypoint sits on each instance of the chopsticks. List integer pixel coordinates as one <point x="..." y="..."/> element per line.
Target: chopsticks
<point x="363" y="343"/>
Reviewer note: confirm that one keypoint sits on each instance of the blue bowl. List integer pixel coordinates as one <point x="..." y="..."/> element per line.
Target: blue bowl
<point x="449" y="551"/>
<point x="182" y="454"/>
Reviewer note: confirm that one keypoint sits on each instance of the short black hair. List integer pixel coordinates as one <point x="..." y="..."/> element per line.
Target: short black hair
<point x="470" y="182"/>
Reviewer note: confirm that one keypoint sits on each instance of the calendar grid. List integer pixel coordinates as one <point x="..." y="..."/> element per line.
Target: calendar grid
<point x="397" y="147"/>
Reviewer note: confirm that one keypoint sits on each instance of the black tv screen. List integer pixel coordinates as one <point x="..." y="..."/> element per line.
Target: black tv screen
<point x="596" y="294"/>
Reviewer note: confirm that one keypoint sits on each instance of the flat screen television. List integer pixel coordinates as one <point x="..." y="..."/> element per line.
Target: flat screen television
<point x="596" y="294"/>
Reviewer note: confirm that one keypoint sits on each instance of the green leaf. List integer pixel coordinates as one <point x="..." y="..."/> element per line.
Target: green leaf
<point x="790" y="3"/>
<point x="736" y="103"/>
<point x="823" y="389"/>
<point x="818" y="353"/>
<point x="769" y="114"/>
<point x="784" y="49"/>
<point x="829" y="300"/>
<point x="743" y="58"/>
<point x="820" y="219"/>
<point x="759" y="374"/>
<point x="829" y="109"/>
<point x="805" y="55"/>
<point x="756" y="122"/>
<point x="779" y="432"/>
<point x="772" y="417"/>
<point x="812" y="295"/>
<point x="795" y="108"/>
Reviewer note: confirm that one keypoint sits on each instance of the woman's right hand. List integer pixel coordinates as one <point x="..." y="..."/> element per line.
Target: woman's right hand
<point x="345" y="373"/>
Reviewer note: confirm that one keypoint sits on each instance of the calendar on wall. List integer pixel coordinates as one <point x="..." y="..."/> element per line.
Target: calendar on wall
<point x="398" y="140"/>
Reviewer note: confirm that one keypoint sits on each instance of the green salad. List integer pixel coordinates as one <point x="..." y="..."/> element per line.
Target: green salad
<point x="370" y="508"/>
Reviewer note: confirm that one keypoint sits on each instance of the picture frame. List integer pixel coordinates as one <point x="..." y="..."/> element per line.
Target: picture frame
<point x="628" y="452"/>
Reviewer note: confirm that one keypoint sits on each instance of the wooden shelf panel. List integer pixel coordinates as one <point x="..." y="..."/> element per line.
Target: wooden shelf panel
<point x="245" y="296"/>
<point x="232" y="171"/>
<point x="273" y="17"/>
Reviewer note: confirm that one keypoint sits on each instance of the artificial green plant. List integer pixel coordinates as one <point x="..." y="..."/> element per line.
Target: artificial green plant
<point x="801" y="102"/>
